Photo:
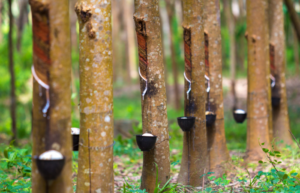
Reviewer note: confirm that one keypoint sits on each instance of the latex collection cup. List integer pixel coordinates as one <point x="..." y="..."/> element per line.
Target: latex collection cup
<point x="50" y="164"/>
<point x="75" y="132"/>
<point x="239" y="115"/>
<point x="186" y="123"/>
<point x="146" y="142"/>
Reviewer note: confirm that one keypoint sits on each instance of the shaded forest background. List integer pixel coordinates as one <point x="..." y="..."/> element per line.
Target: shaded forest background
<point x="127" y="105"/>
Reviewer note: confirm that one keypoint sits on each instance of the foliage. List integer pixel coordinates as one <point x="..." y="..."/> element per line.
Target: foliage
<point x="15" y="170"/>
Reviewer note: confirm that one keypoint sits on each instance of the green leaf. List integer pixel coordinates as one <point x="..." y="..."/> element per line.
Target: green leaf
<point x="260" y="162"/>
<point x="265" y="150"/>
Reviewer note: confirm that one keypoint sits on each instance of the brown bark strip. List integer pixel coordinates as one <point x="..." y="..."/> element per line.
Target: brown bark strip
<point x="194" y="160"/>
<point x="52" y="64"/>
<point x="142" y="44"/>
<point x="206" y="42"/>
<point x="258" y="103"/>
<point x="280" y="119"/>
<point x="219" y="159"/>
<point x="41" y="39"/>
<point x="154" y="112"/>
<point x="95" y="164"/>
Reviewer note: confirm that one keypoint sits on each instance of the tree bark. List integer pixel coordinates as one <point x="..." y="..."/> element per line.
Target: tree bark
<point x="217" y="149"/>
<point x="293" y="16"/>
<point x="73" y="22"/>
<point x="231" y="27"/>
<point x="281" y="126"/>
<point x="258" y="79"/>
<point x="154" y="107"/>
<point x="130" y="39"/>
<point x="95" y="163"/>
<point x="170" y="4"/>
<point x="52" y="64"/>
<point x="116" y="18"/>
<point x="1" y="11"/>
<point x="13" y="101"/>
<point x="22" y="20"/>
<point x="296" y="52"/>
<point x="194" y="161"/>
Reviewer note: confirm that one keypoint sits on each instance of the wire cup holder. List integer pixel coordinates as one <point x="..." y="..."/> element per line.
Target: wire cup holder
<point x="44" y="85"/>
<point x="146" y="88"/>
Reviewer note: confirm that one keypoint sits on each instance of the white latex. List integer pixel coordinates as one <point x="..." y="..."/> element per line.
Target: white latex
<point x="148" y="135"/>
<point x="75" y="131"/>
<point x="239" y="111"/>
<point x="51" y="155"/>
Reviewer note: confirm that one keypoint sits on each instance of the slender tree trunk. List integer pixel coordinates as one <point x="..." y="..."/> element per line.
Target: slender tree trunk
<point x="95" y="163"/>
<point x="52" y="64"/>
<point x="281" y="124"/>
<point x="231" y="27"/>
<point x="194" y="161"/>
<point x="154" y="104"/>
<point x="22" y="20"/>
<point x="258" y="79"/>
<point x="116" y="17"/>
<point x="1" y="11"/>
<point x="73" y="22"/>
<point x="293" y="16"/>
<point x="296" y="52"/>
<point x="218" y="152"/>
<point x="130" y="40"/>
<point x="170" y="4"/>
<point x="164" y="32"/>
<point x="13" y="101"/>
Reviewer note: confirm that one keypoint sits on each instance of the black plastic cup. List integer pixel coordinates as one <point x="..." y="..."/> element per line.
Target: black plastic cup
<point x="210" y="119"/>
<point x="75" y="142"/>
<point x="50" y="169"/>
<point x="239" y="115"/>
<point x="276" y="101"/>
<point x="186" y="123"/>
<point x="146" y="143"/>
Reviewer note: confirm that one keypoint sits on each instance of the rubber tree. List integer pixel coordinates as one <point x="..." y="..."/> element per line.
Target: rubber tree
<point x="293" y="16"/>
<point x="95" y="163"/>
<point x="154" y="109"/>
<point x="194" y="162"/>
<point x="281" y="124"/>
<point x="170" y="6"/>
<point x="51" y="126"/>
<point x="13" y="99"/>
<point x="230" y="20"/>
<point x="258" y="102"/>
<point x="217" y="149"/>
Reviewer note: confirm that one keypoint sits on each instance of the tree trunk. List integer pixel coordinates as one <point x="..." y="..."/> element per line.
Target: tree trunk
<point x="22" y="20"/>
<point x="281" y="126"/>
<point x="170" y="4"/>
<point x="154" y="108"/>
<point x="296" y="52"/>
<point x="95" y="163"/>
<point x="217" y="149"/>
<point x="51" y="127"/>
<point x="73" y="22"/>
<point x="258" y="79"/>
<point x="194" y="161"/>
<point x="130" y="40"/>
<point x="1" y="11"/>
<point x="293" y="16"/>
<point x="231" y="27"/>
<point x="116" y="17"/>
<point x="13" y="101"/>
